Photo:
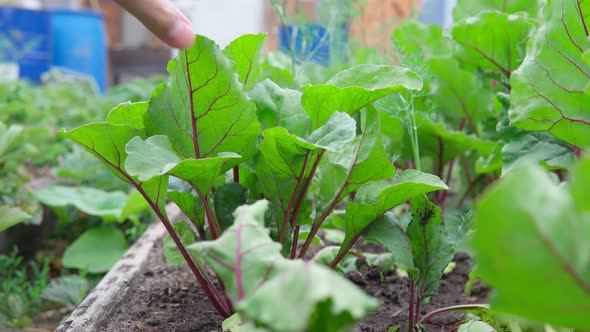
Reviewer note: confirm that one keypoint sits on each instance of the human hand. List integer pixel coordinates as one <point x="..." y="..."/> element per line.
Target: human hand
<point x="163" y="19"/>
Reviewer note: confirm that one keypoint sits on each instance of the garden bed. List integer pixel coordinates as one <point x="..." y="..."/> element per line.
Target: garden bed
<point x="145" y="294"/>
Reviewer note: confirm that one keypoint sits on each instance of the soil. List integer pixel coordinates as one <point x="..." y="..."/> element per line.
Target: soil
<point x="165" y="298"/>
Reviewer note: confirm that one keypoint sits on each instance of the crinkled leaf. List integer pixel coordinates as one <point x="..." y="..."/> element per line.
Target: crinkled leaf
<point x="227" y="198"/>
<point x="375" y="198"/>
<point x="540" y="147"/>
<point x="244" y="52"/>
<point x="319" y="298"/>
<point x="130" y="114"/>
<point x="432" y="249"/>
<point x="187" y="237"/>
<point x="548" y="89"/>
<point x="264" y="285"/>
<point x="390" y="233"/>
<point x="96" y="250"/>
<point x="354" y="88"/>
<point x="449" y="92"/>
<point x="203" y="108"/>
<point x="335" y="133"/>
<point x="278" y="107"/>
<point x="10" y="216"/>
<point x="532" y="246"/>
<point x="466" y="8"/>
<point x="92" y="201"/>
<point x="154" y="157"/>
<point x="244" y="255"/>
<point x="493" y="40"/>
<point x="358" y="162"/>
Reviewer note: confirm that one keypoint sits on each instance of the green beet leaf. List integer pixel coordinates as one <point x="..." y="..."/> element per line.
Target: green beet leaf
<point x="354" y="88"/>
<point x="317" y="298"/>
<point x="130" y="114"/>
<point x="154" y="157"/>
<point x="548" y="89"/>
<point x="227" y="198"/>
<point x="417" y="39"/>
<point x="244" y="52"/>
<point x="373" y="199"/>
<point x="282" y="157"/>
<point x="390" y="233"/>
<point x="532" y="245"/>
<point x="10" y="216"/>
<point x="442" y="144"/>
<point x="264" y="285"/>
<point x="107" y="143"/>
<point x="96" y="250"/>
<point x="431" y="248"/>
<point x="190" y="205"/>
<point x="358" y="162"/>
<point x="89" y="200"/>
<point x="203" y="108"/>
<point x="466" y="8"/>
<point x="493" y="40"/>
<point x="278" y="107"/>
<point x="540" y="147"/>
<point x="448" y="91"/>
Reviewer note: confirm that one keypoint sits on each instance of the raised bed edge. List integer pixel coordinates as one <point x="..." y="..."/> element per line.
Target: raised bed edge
<point x="112" y="289"/>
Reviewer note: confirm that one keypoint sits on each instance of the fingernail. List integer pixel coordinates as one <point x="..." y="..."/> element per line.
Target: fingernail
<point x="181" y="34"/>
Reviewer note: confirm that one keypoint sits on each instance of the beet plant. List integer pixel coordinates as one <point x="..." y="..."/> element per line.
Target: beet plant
<point x="255" y="168"/>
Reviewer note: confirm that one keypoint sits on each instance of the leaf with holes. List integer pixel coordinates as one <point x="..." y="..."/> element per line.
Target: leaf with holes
<point x="431" y="248"/>
<point x="530" y="230"/>
<point x="548" y="89"/>
<point x="203" y="108"/>
<point x="493" y="41"/>
<point x="375" y="198"/>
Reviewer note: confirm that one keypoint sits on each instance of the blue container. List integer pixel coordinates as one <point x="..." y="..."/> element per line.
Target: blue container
<point x="314" y="42"/>
<point x="25" y="39"/>
<point x="79" y="43"/>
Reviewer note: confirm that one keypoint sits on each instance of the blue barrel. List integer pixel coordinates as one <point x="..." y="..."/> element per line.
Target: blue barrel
<point x="313" y="42"/>
<point x="79" y="43"/>
<point x="25" y="39"/>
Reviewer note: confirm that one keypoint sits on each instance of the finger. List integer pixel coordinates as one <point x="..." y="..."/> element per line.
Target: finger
<point x="163" y="19"/>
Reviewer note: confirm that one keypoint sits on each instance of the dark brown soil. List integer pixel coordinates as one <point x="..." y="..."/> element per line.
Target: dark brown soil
<point x="168" y="299"/>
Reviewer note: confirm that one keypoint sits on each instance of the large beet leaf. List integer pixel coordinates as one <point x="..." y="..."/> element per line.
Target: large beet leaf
<point x="265" y="286"/>
<point x="532" y="245"/>
<point x="548" y="89"/>
<point x="203" y="108"/>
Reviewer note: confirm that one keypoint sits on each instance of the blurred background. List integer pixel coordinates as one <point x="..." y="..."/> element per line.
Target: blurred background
<point x="64" y="218"/>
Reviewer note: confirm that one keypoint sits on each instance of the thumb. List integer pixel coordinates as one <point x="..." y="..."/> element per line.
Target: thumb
<point x="163" y="19"/>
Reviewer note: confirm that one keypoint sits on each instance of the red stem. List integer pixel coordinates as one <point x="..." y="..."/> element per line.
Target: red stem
<point x="294" y="243"/>
<point x="213" y="225"/>
<point x="343" y="253"/>
<point x="220" y="306"/>
<point x="450" y="309"/>
<point x="237" y="174"/>
<point x="308" y="181"/>
<point x="192" y="108"/>
<point x="287" y="217"/>
<point x="411" y="308"/>
<point x="417" y="312"/>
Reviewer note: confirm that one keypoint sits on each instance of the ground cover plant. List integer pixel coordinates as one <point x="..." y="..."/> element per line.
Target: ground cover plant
<point x="51" y="232"/>
<point x="260" y="170"/>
